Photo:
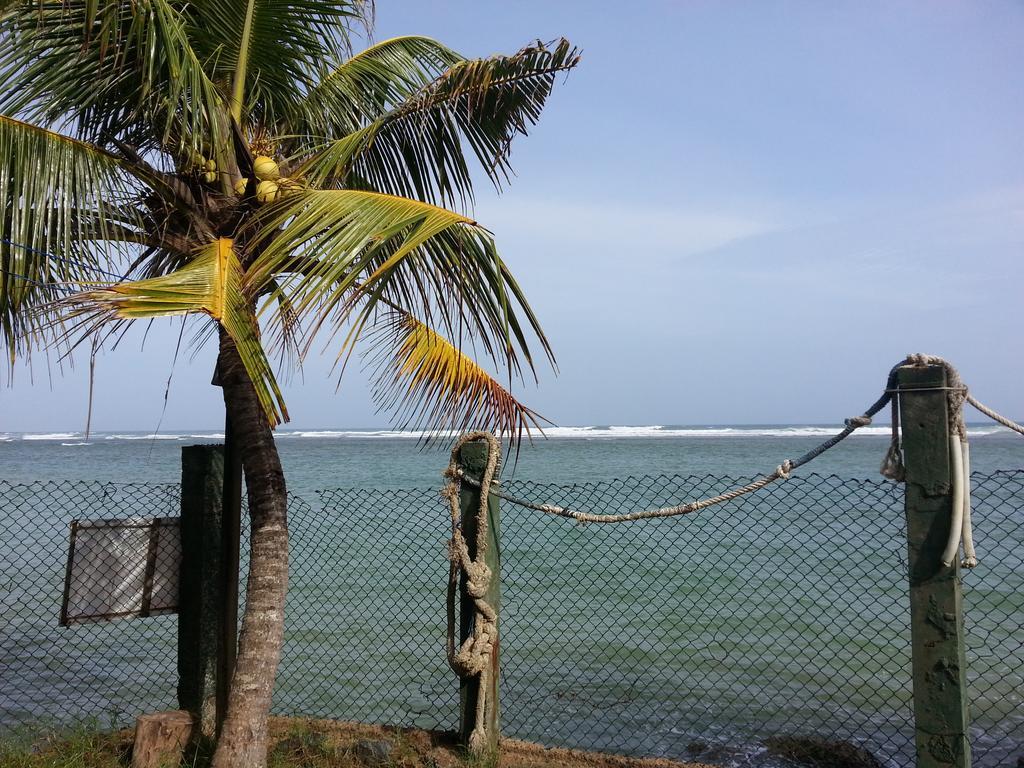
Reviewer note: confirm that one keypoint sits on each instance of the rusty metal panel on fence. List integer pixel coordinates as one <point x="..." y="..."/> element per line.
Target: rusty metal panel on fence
<point x="120" y="569"/>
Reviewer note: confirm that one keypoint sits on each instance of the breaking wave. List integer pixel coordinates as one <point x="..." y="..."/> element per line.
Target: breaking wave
<point x="597" y="432"/>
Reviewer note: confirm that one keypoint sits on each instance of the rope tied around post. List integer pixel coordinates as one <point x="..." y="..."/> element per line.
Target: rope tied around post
<point x="956" y="390"/>
<point x="960" y="527"/>
<point x="473" y="657"/>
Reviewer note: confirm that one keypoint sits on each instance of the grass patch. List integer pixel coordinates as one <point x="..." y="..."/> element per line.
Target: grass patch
<point x="82" y="748"/>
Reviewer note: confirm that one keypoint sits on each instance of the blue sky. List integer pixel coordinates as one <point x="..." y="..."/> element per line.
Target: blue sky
<point x="731" y="212"/>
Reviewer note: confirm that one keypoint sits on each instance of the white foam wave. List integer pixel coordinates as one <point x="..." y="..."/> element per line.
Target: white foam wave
<point x="614" y="432"/>
<point x="144" y="437"/>
<point x="982" y="431"/>
<point x="50" y="436"/>
<point x="168" y="436"/>
<point x="657" y="431"/>
<point x="75" y="444"/>
<point x="377" y="434"/>
<point x="818" y="431"/>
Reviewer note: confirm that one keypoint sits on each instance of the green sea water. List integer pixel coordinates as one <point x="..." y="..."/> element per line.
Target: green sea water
<point x="784" y="613"/>
<point x="380" y="459"/>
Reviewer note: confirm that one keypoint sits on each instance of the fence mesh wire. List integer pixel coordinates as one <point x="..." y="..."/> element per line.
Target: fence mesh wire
<point x="105" y="672"/>
<point x="784" y="613"/>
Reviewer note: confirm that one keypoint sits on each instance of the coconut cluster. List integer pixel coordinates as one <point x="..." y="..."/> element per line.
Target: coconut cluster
<point x="268" y="180"/>
<point x="210" y="171"/>
<point x="205" y="167"/>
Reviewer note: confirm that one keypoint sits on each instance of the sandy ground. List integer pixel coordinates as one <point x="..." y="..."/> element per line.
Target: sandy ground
<point x="411" y="748"/>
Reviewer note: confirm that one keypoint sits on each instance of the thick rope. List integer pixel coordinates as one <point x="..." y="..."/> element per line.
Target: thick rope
<point x="961" y="529"/>
<point x="956" y="392"/>
<point x="970" y="557"/>
<point x="999" y="419"/>
<point x="473" y="657"/>
<point x="782" y="472"/>
<point x="967" y="532"/>
<point x="956" y="524"/>
<point x="892" y="465"/>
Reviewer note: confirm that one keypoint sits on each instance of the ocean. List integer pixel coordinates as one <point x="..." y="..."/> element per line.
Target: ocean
<point x="383" y="459"/>
<point x="782" y="613"/>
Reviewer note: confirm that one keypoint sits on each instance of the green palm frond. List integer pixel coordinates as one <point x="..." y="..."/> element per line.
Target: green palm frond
<point x="268" y="53"/>
<point x="416" y="150"/>
<point x="345" y="252"/>
<point x="171" y="102"/>
<point x="124" y="69"/>
<point x="65" y="212"/>
<point x="210" y="284"/>
<point x="343" y="231"/>
<point x="371" y="83"/>
<point x="428" y="383"/>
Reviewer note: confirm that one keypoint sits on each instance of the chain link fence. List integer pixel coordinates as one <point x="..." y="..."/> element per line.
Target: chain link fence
<point x="784" y="613"/>
<point x="101" y="672"/>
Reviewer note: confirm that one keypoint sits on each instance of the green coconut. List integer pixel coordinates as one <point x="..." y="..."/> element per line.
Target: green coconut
<point x="210" y="177"/>
<point x="210" y="165"/>
<point x="266" y="169"/>
<point x="240" y="186"/>
<point x="267" y="191"/>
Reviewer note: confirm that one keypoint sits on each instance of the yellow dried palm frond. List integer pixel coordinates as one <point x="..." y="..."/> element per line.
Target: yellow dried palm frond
<point x="431" y="384"/>
<point x="210" y="284"/>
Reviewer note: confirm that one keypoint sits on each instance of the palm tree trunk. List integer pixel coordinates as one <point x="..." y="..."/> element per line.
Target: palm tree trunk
<point x="243" y="739"/>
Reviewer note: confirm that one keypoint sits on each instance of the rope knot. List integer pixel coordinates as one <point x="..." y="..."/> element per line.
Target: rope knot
<point x="474" y="655"/>
<point x="858" y="421"/>
<point x="919" y="360"/>
<point x="892" y="464"/>
<point x="784" y="469"/>
<point x="478" y="578"/>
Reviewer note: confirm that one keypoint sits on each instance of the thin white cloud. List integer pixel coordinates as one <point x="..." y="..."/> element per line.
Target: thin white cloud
<point x="677" y="230"/>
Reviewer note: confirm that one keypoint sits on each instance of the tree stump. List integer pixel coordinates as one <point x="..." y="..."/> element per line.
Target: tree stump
<point x="160" y="739"/>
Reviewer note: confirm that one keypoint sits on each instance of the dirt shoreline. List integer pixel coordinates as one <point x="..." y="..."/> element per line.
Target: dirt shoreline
<point x="415" y="748"/>
<point x="299" y="742"/>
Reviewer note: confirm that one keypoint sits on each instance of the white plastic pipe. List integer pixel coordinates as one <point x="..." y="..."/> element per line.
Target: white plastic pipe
<point x="956" y="458"/>
<point x="967" y="534"/>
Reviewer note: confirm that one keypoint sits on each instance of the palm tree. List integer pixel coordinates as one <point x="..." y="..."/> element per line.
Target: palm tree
<point x="234" y="159"/>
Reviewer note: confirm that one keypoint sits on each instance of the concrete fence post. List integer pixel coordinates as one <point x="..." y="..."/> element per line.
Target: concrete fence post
<point x="936" y="601"/>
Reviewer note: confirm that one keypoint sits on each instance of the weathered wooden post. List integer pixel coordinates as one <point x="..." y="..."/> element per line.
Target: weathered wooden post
<point x="472" y="461"/>
<point x="200" y="590"/>
<point x="936" y="607"/>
